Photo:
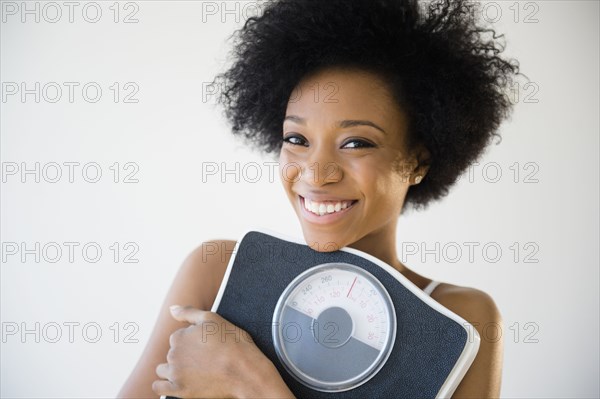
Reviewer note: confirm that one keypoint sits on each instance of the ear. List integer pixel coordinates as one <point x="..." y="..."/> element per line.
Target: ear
<point x="413" y="164"/>
<point x="422" y="158"/>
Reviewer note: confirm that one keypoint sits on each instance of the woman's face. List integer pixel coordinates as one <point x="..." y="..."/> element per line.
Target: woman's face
<point x="344" y="157"/>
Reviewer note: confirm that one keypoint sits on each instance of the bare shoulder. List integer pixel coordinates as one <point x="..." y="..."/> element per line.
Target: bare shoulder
<point x="205" y="266"/>
<point x="470" y="303"/>
<point x="484" y="377"/>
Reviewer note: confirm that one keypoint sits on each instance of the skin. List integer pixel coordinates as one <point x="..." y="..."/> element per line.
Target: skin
<point x="333" y="160"/>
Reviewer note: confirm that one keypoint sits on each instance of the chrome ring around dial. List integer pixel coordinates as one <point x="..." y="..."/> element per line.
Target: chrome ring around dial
<point x="334" y="327"/>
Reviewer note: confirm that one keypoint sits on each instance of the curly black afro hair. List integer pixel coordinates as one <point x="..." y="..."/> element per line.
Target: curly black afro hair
<point x="443" y="68"/>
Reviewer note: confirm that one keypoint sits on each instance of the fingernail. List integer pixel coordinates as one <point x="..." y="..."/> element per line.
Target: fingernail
<point x="175" y="308"/>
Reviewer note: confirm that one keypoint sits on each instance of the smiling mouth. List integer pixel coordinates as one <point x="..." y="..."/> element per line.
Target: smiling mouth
<point x="321" y="208"/>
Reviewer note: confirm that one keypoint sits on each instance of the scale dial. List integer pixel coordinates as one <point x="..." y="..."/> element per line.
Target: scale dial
<point x="334" y="327"/>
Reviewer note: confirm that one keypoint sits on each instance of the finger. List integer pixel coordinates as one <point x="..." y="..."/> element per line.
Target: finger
<point x="163" y="371"/>
<point x="175" y="337"/>
<point x="164" y="387"/>
<point x="188" y="314"/>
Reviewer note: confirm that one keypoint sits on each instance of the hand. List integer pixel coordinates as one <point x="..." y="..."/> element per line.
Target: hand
<point x="214" y="358"/>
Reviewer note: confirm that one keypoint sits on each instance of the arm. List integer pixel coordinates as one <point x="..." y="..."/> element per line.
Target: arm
<point x="483" y="379"/>
<point x="213" y="358"/>
<point x="196" y="284"/>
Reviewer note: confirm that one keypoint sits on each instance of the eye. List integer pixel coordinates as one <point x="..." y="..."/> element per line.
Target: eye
<point x="294" y="140"/>
<point x="351" y="144"/>
<point x="357" y="144"/>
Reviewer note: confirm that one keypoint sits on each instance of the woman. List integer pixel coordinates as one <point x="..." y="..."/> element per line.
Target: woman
<point x="377" y="105"/>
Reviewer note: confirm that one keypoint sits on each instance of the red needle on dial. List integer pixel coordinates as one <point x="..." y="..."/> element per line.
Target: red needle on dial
<point x="352" y="286"/>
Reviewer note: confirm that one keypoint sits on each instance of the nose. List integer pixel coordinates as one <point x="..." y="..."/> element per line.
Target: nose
<point x="321" y="169"/>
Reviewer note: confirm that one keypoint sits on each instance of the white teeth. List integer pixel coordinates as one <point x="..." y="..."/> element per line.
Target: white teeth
<point x="322" y="208"/>
<point x="314" y="208"/>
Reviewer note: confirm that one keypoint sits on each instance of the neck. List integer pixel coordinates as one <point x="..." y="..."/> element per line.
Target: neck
<point x="382" y="245"/>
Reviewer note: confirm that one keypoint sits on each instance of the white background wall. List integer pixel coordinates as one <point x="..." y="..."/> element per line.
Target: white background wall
<point x="171" y="132"/>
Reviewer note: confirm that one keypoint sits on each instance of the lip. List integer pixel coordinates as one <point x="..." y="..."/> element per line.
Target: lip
<point x="325" y="219"/>
<point x="325" y="198"/>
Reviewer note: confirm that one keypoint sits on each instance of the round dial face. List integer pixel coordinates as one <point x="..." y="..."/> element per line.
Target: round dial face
<point x="334" y="327"/>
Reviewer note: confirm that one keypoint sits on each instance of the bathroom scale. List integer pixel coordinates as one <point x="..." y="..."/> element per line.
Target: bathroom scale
<point x="342" y="324"/>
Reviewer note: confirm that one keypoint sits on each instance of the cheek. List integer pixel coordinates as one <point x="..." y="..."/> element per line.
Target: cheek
<point x="373" y="178"/>
<point x="288" y="170"/>
<point x="383" y="187"/>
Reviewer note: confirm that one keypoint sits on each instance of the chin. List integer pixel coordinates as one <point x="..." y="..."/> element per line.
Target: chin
<point x="322" y="241"/>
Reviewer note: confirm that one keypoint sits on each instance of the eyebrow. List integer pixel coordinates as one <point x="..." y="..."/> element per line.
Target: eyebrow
<point x="342" y="124"/>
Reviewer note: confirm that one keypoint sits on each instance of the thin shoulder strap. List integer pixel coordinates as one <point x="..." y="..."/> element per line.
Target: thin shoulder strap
<point x="431" y="286"/>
